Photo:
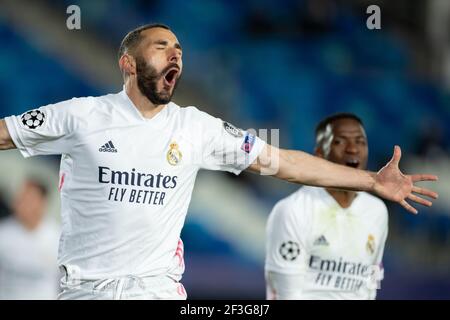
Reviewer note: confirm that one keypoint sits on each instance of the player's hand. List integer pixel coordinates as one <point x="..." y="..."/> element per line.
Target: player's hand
<point x="392" y="184"/>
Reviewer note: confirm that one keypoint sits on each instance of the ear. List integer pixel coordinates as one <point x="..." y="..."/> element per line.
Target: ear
<point x="318" y="152"/>
<point x="127" y="64"/>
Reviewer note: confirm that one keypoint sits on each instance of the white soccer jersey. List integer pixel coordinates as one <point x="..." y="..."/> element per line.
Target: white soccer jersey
<point x="126" y="181"/>
<point x="28" y="261"/>
<point x="323" y="251"/>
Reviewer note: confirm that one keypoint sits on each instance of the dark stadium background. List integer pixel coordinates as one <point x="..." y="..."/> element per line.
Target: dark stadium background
<point x="260" y="64"/>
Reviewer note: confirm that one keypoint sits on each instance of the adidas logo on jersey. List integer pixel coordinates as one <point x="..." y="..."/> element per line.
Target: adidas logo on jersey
<point x="108" y="147"/>
<point x="321" y="241"/>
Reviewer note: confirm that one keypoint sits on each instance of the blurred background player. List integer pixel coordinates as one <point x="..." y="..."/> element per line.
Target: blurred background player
<point x="324" y="243"/>
<point x="29" y="247"/>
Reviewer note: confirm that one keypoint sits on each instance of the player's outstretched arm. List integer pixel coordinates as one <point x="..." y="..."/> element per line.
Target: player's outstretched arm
<point x="5" y="138"/>
<point x="389" y="183"/>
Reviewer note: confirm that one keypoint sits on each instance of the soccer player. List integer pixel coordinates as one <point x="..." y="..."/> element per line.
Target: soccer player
<point x="128" y="166"/>
<point x="29" y="247"/>
<point x="324" y="243"/>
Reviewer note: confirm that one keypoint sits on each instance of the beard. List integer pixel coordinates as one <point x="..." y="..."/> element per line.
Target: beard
<point x="147" y="80"/>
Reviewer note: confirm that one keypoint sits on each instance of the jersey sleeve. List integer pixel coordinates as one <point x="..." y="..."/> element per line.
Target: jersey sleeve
<point x="285" y="240"/>
<point x="46" y="130"/>
<point x="380" y="251"/>
<point x="225" y="147"/>
<point x="283" y="286"/>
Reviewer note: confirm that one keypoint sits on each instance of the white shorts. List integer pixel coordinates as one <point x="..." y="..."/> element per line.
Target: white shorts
<point x="124" y="288"/>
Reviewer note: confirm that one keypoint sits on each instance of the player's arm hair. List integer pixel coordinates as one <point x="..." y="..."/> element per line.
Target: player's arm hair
<point x="6" y="141"/>
<point x="303" y="168"/>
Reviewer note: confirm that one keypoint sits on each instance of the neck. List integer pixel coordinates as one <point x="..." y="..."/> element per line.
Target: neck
<point x="30" y="224"/>
<point x="343" y="198"/>
<point x="141" y="102"/>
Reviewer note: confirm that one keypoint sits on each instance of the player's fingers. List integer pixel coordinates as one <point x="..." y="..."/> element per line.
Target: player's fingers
<point x="408" y="207"/>
<point x="423" y="177"/>
<point x="396" y="156"/>
<point x="420" y="200"/>
<point x="425" y="192"/>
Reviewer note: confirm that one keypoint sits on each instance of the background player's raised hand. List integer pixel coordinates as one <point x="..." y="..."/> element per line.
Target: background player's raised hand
<point x="392" y="184"/>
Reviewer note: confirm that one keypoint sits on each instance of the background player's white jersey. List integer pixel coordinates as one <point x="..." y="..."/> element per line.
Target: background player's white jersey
<point x="126" y="181"/>
<point x="318" y="250"/>
<point x="28" y="268"/>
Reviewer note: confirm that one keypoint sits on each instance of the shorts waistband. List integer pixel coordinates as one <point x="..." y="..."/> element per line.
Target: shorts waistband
<point x="117" y="284"/>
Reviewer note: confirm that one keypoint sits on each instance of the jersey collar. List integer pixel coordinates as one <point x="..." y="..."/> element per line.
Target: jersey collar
<point x="328" y="198"/>
<point x="158" y="120"/>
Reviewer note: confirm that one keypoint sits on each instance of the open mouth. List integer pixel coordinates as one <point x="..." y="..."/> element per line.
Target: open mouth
<point x="352" y="163"/>
<point x="171" y="76"/>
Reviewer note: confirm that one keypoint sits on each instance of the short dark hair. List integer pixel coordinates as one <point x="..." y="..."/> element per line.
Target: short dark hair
<point x="133" y="38"/>
<point x="322" y="125"/>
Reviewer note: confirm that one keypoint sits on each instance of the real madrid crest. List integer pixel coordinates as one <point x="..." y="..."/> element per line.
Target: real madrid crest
<point x="174" y="155"/>
<point x="370" y="245"/>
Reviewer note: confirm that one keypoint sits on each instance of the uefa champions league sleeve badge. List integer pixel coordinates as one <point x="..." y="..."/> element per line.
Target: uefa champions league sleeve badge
<point x="289" y="250"/>
<point x="174" y="155"/>
<point x="235" y="132"/>
<point x="33" y="119"/>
